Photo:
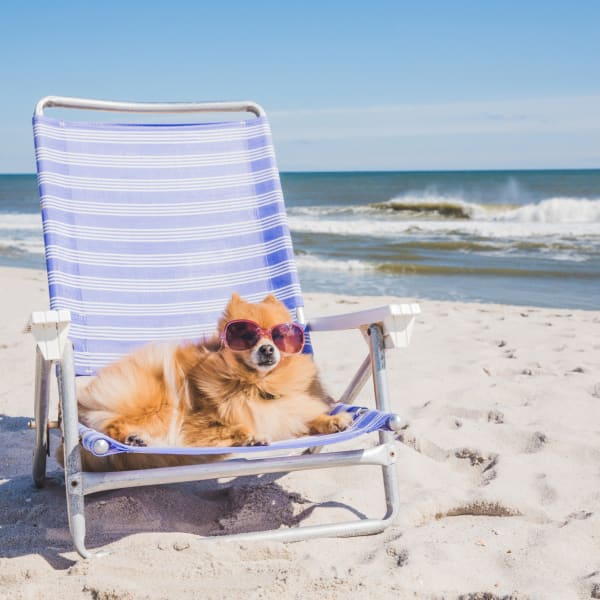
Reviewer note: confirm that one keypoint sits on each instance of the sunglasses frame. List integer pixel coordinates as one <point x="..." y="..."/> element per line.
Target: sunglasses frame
<point x="263" y="333"/>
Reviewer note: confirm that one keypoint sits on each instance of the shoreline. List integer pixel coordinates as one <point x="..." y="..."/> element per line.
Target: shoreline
<point x="341" y="295"/>
<point x="498" y="467"/>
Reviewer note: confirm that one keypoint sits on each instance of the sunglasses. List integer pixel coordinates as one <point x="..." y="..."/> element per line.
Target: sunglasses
<point x="242" y="334"/>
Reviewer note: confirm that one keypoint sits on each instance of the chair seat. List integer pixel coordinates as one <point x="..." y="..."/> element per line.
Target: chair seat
<point x="364" y="421"/>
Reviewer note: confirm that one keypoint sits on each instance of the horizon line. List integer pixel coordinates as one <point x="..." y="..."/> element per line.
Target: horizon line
<point x="366" y="171"/>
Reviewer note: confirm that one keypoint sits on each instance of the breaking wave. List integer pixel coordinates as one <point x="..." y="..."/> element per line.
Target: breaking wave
<point x="486" y="229"/>
<point x="308" y="261"/>
<point x="21" y="221"/>
<point x="564" y="217"/>
<point x="434" y="207"/>
<point x="551" y="210"/>
<point x="357" y="267"/>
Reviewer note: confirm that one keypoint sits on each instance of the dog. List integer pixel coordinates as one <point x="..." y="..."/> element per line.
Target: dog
<point x="250" y="384"/>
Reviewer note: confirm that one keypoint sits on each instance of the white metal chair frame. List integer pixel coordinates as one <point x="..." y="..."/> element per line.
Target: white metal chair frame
<point x="384" y="328"/>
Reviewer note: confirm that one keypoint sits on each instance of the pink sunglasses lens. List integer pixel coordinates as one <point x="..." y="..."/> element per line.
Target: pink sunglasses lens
<point x="288" y="337"/>
<point x="241" y="335"/>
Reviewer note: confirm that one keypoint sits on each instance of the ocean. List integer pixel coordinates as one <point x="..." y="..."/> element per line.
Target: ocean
<point x="510" y="237"/>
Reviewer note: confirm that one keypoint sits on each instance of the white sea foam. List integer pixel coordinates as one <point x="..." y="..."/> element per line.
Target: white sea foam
<point x="486" y="229"/>
<point x="31" y="222"/>
<point x="551" y="210"/>
<point x="31" y="246"/>
<point x="555" y="210"/>
<point x="328" y="210"/>
<point x="20" y="234"/>
<point x="311" y="262"/>
<point x="563" y="217"/>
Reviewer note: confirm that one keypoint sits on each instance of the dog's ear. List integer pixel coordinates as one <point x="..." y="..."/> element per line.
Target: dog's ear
<point x="270" y="299"/>
<point x="234" y="301"/>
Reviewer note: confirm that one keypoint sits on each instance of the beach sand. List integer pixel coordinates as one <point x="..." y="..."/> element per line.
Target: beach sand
<point x="499" y="466"/>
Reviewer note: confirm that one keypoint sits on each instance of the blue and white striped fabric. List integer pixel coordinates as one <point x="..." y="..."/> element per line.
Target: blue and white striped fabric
<point x="150" y="228"/>
<point x="364" y="421"/>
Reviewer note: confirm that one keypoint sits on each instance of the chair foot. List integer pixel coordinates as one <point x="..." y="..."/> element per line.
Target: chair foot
<point x="298" y="534"/>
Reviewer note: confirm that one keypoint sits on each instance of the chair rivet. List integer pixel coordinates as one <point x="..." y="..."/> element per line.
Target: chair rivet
<point x="395" y="423"/>
<point x="100" y="447"/>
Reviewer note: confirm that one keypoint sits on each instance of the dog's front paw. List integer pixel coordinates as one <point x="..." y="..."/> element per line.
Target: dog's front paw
<point x="340" y="422"/>
<point x="331" y="423"/>
<point x="258" y="440"/>
<point x="134" y="440"/>
<point x="241" y="436"/>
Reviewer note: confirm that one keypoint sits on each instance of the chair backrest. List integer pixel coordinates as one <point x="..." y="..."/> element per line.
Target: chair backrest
<point x="149" y="228"/>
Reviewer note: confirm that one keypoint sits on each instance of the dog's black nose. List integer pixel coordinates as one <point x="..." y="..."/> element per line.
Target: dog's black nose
<point x="266" y="350"/>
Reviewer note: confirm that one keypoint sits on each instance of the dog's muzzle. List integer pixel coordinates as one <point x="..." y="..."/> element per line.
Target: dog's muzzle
<point x="266" y="355"/>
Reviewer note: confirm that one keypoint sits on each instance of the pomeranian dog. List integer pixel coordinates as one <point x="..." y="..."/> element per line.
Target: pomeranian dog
<point x="248" y="385"/>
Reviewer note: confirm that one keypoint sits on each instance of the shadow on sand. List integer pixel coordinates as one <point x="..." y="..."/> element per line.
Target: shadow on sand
<point x="35" y="520"/>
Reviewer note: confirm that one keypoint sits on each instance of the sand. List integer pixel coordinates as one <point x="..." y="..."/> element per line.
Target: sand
<point x="499" y="465"/>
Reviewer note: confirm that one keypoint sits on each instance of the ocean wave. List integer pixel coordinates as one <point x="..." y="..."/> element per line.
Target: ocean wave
<point x="330" y="210"/>
<point x="312" y="262"/>
<point x="454" y="208"/>
<point x="316" y="263"/>
<point x="519" y="248"/>
<point x="20" y="235"/>
<point x="422" y="269"/>
<point x="555" y="210"/>
<point x="440" y="206"/>
<point x="21" y="221"/>
<point x="550" y="210"/>
<point x="483" y="229"/>
<point x="14" y="247"/>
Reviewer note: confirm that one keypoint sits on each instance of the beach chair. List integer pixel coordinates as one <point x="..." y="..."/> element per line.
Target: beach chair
<point x="148" y="229"/>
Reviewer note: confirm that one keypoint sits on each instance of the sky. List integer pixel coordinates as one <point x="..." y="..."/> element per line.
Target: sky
<point x="379" y="85"/>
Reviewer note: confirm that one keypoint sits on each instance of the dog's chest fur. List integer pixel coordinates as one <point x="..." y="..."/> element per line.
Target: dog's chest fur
<point x="285" y="417"/>
<point x="278" y="406"/>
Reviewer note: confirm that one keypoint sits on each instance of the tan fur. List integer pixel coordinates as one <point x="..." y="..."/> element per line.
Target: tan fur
<point x="205" y="395"/>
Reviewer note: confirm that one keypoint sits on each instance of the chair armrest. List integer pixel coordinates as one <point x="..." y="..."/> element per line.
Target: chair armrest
<point x="396" y="320"/>
<point x="50" y="329"/>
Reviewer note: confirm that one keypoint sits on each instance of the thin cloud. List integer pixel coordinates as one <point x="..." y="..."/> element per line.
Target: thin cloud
<point x="544" y="115"/>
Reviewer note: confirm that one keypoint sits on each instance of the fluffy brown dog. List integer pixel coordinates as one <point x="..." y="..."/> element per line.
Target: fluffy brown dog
<point x="208" y="394"/>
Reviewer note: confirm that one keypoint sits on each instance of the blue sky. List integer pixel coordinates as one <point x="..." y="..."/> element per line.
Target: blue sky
<point x="348" y="85"/>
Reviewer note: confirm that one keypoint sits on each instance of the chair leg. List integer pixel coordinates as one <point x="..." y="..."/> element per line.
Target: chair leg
<point x="41" y="406"/>
<point x="73" y="475"/>
<point x="382" y="402"/>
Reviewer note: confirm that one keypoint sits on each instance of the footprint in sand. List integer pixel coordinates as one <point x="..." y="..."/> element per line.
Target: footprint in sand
<point x="398" y="555"/>
<point x="485" y="463"/>
<point x="536" y="442"/>
<point x="495" y="416"/>
<point x="547" y="493"/>
<point x="473" y="414"/>
<point x="580" y="515"/>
